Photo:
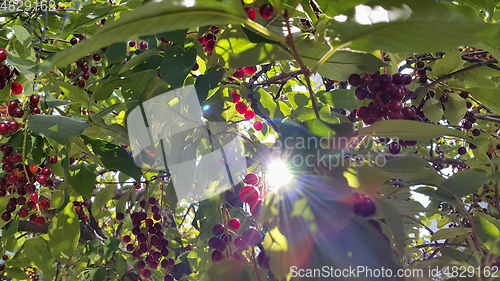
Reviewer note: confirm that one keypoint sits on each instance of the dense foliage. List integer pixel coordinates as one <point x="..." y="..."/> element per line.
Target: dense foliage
<point x="370" y="131"/>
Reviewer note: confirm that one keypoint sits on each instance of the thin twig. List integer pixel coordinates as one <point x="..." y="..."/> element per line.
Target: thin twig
<point x="446" y="77"/>
<point x="42" y="37"/>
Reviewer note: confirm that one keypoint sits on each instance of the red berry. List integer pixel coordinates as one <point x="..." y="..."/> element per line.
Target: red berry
<point x="23" y="212"/>
<point x="73" y="41"/>
<point x="236" y="97"/>
<point x="6" y="148"/>
<point x="4" y="71"/>
<point x="258" y="126"/>
<point x="15" y="157"/>
<point x="250" y="13"/>
<point x="241" y="107"/>
<point x="96" y="57"/>
<point x="81" y="84"/>
<point x="46" y="171"/>
<point x="395" y="106"/>
<point x="209" y="46"/>
<point x="250" y="69"/>
<point x="234" y="224"/>
<point x="40" y="221"/>
<point x="218" y="229"/>
<point x="53" y="160"/>
<point x="16" y="88"/>
<point x="120" y="216"/>
<point x="34" y="197"/>
<point x="93" y="70"/>
<point x="131" y="44"/>
<point x="35" y="110"/>
<point x="34" y="99"/>
<point x="3" y="55"/>
<point x="86" y="76"/>
<point x="239" y="73"/>
<point x="18" y="112"/>
<point x="249" y="115"/>
<point x="266" y="11"/>
<point x="143" y="45"/>
<point x="13" y="126"/>
<point x="44" y="205"/>
<point x="6" y="216"/>
<point x="249" y="194"/>
<point x="126" y="239"/>
<point x="42" y="179"/>
<point x="251" y="179"/>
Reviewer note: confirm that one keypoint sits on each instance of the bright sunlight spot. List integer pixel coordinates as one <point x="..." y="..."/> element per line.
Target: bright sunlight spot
<point x="278" y="174"/>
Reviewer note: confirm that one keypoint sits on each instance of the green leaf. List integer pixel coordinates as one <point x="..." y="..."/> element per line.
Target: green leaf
<point x="120" y="265"/>
<point x="98" y="274"/>
<point x="335" y="8"/>
<point x="140" y="58"/>
<point x="73" y="93"/>
<point x="455" y="109"/>
<point x="449" y="233"/>
<point x="16" y="273"/>
<point x="238" y="51"/>
<point x="37" y="249"/>
<point x="465" y="182"/>
<point x="12" y="229"/>
<point x="101" y="130"/>
<point x="176" y="36"/>
<point x="211" y="206"/>
<point x="410" y="130"/>
<point x="172" y="15"/>
<point x="22" y="35"/>
<point x="58" y="128"/>
<point x="101" y="198"/>
<point x="82" y="179"/>
<point x="433" y="110"/>
<point x="106" y="87"/>
<point x="177" y="64"/>
<point x="63" y="233"/>
<point x="450" y="62"/>
<point x="208" y="81"/>
<point x="116" y="52"/>
<point x="445" y="25"/>
<point x="341" y="64"/>
<point x="487" y="231"/>
<point x="114" y="157"/>
<point x="490" y="97"/>
<point x="110" y="246"/>
<point x="341" y="98"/>
<point x="413" y="169"/>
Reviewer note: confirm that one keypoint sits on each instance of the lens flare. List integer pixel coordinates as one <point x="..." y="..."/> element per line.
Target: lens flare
<point x="278" y="174"/>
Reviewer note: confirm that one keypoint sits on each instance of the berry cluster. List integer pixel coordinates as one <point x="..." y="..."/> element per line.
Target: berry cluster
<point x="386" y="91"/>
<point x="209" y="40"/>
<point x="240" y="72"/>
<point x="148" y="240"/>
<point x="23" y="193"/>
<point x="143" y="45"/>
<point x="221" y="243"/>
<point x="32" y="273"/>
<point x="242" y="108"/>
<point x="6" y="75"/>
<point x="79" y="207"/>
<point x="421" y="72"/>
<point x="84" y="68"/>
<point x="265" y="11"/>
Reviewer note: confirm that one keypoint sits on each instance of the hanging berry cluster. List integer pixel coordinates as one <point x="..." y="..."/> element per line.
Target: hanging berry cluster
<point x="149" y="244"/>
<point x="18" y="183"/>
<point x="242" y="108"/>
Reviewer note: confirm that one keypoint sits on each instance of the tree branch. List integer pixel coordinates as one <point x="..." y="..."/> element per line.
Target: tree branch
<point x="448" y="161"/>
<point x="446" y="77"/>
